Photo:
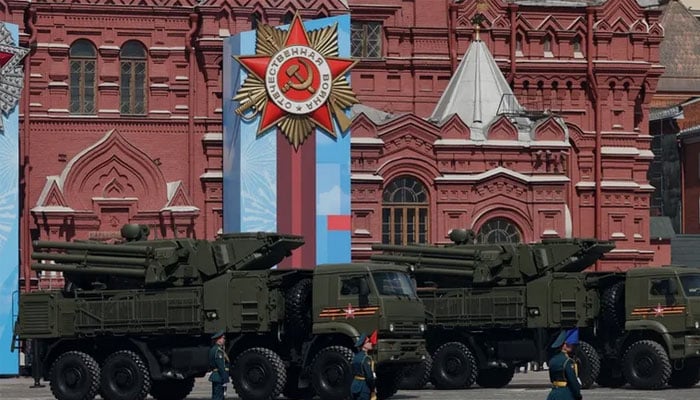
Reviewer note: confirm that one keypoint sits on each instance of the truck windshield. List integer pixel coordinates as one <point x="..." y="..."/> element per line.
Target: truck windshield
<point x="394" y="284"/>
<point x="691" y="284"/>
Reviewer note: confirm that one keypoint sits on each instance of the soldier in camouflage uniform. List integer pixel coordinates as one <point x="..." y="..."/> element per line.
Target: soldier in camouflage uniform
<point x="563" y="371"/>
<point x="218" y="364"/>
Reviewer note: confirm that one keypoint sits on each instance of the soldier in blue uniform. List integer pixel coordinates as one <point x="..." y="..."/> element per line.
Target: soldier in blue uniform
<point x="563" y="371"/>
<point x="218" y="365"/>
<point x="363" y="384"/>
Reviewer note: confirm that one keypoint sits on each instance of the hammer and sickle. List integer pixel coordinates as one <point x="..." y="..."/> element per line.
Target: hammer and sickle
<point x="303" y="84"/>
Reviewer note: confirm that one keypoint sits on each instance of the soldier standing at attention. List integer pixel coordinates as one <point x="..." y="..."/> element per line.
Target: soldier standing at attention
<point x="363" y="385"/>
<point x="563" y="371"/>
<point x="218" y="364"/>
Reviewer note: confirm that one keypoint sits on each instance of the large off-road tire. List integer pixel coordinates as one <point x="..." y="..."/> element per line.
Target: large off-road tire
<point x="613" y="307"/>
<point x="171" y="389"/>
<point x="610" y="375"/>
<point x="495" y="378"/>
<point x="331" y="374"/>
<point x="291" y="388"/>
<point x="74" y="376"/>
<point x="124" y="377"/>
<point x="417" y="376"/>
<point x="388" y="382"/>
<point x="686" y="377"/>
<point x="588" y="362"/>
<point x="298" y="308"/>
<point x="258" y="374"/>
<point x="646" y="365"/>
<point x="454" y="366"/>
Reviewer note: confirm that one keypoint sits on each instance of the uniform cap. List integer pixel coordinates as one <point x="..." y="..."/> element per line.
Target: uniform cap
<point x="361" y="341"/>
<point x="568" y="337"/>
<point x="218" y="334"/>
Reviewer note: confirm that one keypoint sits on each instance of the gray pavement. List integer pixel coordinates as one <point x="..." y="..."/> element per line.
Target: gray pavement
<point x="530" y="386"/>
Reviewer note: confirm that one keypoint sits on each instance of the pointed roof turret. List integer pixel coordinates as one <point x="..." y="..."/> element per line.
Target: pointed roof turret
<point x="475" y="92"/>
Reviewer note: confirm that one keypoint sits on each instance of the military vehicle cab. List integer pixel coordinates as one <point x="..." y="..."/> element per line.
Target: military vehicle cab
<point x="650" y="335"/>
<point x="136" y="318"/>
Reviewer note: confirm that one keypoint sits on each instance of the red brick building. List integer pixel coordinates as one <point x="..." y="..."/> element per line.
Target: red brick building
<point x="121" y="118"/>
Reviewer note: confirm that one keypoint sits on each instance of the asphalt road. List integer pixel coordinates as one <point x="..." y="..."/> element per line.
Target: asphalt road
<point x="530" y="386"/>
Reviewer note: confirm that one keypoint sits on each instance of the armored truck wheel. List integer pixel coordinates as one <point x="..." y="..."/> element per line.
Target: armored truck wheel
<point x="613" y="306"/>
<point x="495" y="378"/>
<point x="646" y="365"/>
<point x="124" y="377"/>
<point x="172" y="389"/>
<point x="686" y="377"/>
<point x="258" y="374"/>
<point x="610" y="375"/>
<point x="417" y="376"/>
<point x="588" y="362"/>
<point x="331" y="373"/>
<point x="298" y="308"/>
<point x="74" y="376"/>
<point x="454" y="366"/>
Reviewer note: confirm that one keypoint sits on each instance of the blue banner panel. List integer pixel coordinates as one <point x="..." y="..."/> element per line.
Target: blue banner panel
<point x="263" y="176"/>
<point x="9" y="231"/>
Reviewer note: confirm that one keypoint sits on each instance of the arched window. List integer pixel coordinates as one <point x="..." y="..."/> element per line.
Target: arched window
<point x="519" y="44"/>
<point x="547" y="45"/>
<point x="499" y="230"/>
<point x="405" y="212"/>
<point x="576" y="46"/>
<point x="83" y="62"/>
<point x="133" y="78"/>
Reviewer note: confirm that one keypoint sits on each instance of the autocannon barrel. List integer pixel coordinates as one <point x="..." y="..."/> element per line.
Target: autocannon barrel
<point x="77" y="258"/>
<point x="440" y="262"/>
<point x="93" y="247"/>
<point x="437" y="251"/>
<point x="128" y="272"/>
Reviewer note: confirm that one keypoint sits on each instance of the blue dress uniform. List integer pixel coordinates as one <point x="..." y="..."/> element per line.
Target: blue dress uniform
<point x="563" y="370"/>
<point x="363" y="385"/>
<point x="218" y="364"/>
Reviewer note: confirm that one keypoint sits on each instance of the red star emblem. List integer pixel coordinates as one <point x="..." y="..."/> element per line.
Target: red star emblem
<point x="298" y="79"/>
<point x="659" y="311"/>
<point x="349" y="312"/>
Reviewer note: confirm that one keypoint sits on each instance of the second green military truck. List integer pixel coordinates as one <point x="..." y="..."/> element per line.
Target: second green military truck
<point x="494" y="307"/>
<point x="136" y="318"/>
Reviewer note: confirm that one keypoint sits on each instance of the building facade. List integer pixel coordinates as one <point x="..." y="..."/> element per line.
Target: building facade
<point x="121" y="118"/>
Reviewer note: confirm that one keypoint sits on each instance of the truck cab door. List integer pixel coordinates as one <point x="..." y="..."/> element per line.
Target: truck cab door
<point x="353" y="300"/>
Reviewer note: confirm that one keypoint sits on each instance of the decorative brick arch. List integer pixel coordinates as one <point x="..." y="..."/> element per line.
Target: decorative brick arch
<point x="502" y="129"/>
<point x="550" y="129"/>
<point x="106" y="185"/>
<point x="508" y="211"/>
<point x="113" y="168"/>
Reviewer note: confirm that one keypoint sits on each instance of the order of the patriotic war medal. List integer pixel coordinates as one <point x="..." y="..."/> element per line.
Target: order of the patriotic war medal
<point x="296" y="82"/>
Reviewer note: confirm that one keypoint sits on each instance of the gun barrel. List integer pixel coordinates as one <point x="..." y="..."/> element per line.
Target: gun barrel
<point x="441" y="262"/>
<point x="128" y="272"/>
<point x="438" y="251"/>
<point x="446" y="271"/>
<point x="95" y="247"/>
<point x="77" y="258"/>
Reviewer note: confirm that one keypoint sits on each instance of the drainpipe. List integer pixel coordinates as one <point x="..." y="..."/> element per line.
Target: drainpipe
<point x="597" y="111"/>
<point x="191" y="60"/>
<point x="513" y="8"/>
<point x="25" y="239"/>
<point x="452" y="35"/>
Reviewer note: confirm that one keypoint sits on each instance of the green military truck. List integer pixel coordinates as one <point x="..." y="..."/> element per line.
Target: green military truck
<point x="649" y="330"/>
<point x="136" y="318"/>
<point x="494" y="307"/>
